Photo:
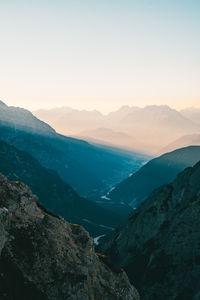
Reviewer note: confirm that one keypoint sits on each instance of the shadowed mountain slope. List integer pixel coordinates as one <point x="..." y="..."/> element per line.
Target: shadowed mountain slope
<point x="54" y="193"/>
<point x="158" y="171"/>
<point x="158" y="245"/>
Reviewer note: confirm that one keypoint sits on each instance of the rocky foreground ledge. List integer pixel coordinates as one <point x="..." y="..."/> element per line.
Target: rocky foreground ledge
<point x="44" y="257"/>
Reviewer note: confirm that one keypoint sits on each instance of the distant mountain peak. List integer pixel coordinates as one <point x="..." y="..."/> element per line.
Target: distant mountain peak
<point x="23" y="119"/>
<point x="2" y="103"/>
<point x="158" y="107"/>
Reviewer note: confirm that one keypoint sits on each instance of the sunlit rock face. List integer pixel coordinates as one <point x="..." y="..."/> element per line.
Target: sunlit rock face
<point x="44" y="257"/>
<point x="158" y="245"/>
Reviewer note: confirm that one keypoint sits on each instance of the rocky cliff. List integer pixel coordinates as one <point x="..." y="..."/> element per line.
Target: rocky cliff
<point x="159" y="244"/>
<point x="44" y="257"/>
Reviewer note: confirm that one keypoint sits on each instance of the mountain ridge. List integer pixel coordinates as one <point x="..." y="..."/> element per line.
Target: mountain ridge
<point x="158" y="171"/>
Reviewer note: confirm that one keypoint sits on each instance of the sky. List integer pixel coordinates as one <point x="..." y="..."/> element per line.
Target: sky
<point x="91" y="54"/>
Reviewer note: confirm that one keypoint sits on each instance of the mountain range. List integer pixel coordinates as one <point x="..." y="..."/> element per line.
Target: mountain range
<point x="75" y="160"/>
<point x="147" y="129"/>
<point x="68" y="121"/>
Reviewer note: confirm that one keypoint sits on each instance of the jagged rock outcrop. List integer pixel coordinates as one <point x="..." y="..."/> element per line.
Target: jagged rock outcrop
<point x="45" y="258"/>
<point x="159" y="244"/>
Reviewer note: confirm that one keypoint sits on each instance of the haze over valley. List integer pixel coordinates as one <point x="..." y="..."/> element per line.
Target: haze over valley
<point x="150" y="129"/>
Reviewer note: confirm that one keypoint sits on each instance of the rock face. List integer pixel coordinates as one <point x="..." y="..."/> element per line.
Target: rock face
<point x="45" y="258"/>
<point x="159" y="244"/>
<point x="158" y="171"/>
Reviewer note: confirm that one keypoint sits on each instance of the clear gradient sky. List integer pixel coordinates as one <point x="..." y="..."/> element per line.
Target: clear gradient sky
<point x="100" y="54"/>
